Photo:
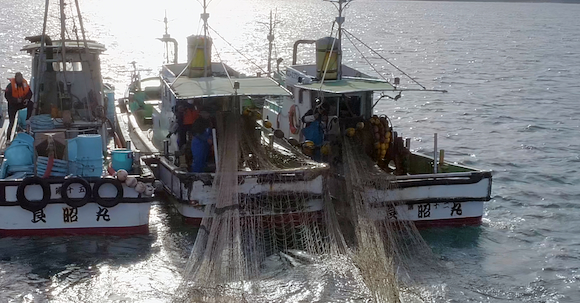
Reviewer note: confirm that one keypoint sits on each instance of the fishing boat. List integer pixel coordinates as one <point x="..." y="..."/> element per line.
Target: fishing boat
<point x="276" y="181"/>
<point x="425" y="189"/>
<point x="61" y="174"/>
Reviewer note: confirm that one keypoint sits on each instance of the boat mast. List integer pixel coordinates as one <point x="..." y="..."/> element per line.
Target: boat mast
<point x="270" y="41"/>
<point x="205" y="16"/>
<point x="166" y="35"/>
<point x="340" y="20"/>
<point x="62" y="36"/>
<point x="82" y="27"/>
<point x="41" y="56"/>
<point x="167" y="39"/>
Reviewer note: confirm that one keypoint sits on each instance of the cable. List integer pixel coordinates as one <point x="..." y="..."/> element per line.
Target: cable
<point x="188" y="63"/>
<point x="327" y="61"/>
<point x="365" y="58"/>
<point x="223" y="65"/>
<point x="238" y="51"/>
<point x="380" y="56"/>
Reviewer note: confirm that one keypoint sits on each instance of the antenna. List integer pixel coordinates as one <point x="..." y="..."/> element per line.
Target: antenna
<point x="270" y="40"/>
<point x="205" y="16"/>
<point x="167" y="39"/>
<point x="342" y="4"/>
<point x="62" y="36"/>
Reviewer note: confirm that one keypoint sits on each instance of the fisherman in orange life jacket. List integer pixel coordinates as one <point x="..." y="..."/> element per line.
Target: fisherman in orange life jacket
<point x="186" y="114"/>
<point x="18" y="95"/>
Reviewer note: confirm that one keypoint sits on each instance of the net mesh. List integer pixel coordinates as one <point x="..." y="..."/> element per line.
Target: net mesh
<point x="385" y="246"/>
<point x="286" y="211"/>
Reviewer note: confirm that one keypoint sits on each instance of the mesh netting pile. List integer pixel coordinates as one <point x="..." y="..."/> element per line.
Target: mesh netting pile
<point x="245" y="229"/>
<point x="383" y="247"/>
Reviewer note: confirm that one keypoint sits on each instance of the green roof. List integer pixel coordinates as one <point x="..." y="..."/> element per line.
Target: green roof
<point x="344" y="86"/>
<point x="185" y="87"/>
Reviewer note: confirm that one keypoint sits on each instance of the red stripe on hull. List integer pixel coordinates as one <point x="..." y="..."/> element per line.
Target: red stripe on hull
<point x="471" y="221"/>
<point x="192" y="221"/>
<point x="272" y="220"/>
<point x="51" y="232"/>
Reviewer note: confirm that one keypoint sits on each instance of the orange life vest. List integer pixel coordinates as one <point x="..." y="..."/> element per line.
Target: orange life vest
<point x="189" y="116"/>
<point x="19" y="91"/>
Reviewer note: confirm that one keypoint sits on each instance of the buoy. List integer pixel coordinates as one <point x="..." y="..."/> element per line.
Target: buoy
<point x="350" y="132"/>
<point x="122" y="175"/>
<point x="131" y="181"/>
<point x="279" y="134"/>
<point x="293" y="141"/>
<point x="140" y="187"/>
<point x="157" y="185"/>
<point x="325" y="149"/>
<point x="308" y="147"/>
<point x="149" y="190"/>
<point x="267" y="124"/>
<point x="308" y="144"/>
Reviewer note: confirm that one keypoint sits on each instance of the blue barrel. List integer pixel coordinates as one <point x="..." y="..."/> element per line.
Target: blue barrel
<point x="122" y="159"/>
<point x="20" y="152"/>
<point x="85" y="154"/>
<point x="24" y="138"/>
<point x="22" y="117"/>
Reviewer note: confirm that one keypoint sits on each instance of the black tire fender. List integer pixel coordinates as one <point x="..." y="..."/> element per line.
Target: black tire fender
<point x="108" y="202"/>
<point x="33" y="206"/>
<point x="75" y="202"/>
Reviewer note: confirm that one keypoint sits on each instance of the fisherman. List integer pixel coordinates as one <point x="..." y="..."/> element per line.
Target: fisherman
<point x="315" y="120"/>
<point x="314" y="132"/>
<point x="18" y="95"/>
<point x="201" y="142"/>
<point x="186" y="115"/>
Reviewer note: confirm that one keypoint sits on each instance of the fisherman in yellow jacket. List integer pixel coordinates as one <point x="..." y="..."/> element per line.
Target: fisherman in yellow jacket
<point x="18" y="95"/>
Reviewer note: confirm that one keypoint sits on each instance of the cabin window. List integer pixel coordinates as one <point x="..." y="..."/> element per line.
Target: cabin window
<point x="70" y="66"/>
<point x="354" y="105"/>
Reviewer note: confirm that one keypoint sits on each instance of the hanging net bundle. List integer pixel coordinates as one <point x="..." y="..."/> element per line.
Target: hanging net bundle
<point x="288" y="243"/>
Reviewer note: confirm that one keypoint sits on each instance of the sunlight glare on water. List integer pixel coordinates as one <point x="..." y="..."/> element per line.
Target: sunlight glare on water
<point x="511" y="70"/>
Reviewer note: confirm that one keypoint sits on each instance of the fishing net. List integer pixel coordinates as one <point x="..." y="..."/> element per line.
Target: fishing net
<point x="266" y="204"/>
<point x="273" y="203"/>
<point x="386" y="247"/>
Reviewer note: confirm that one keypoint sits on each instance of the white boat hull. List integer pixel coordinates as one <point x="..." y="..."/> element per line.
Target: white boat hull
<point x="129" y="216"/>
<point x="193" y="192"/>
<point x="61" y="219"/>
<point x="433" y="200"/>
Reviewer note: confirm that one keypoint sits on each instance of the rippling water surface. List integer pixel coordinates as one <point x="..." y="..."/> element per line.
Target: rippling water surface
<point x="512" y="72"/>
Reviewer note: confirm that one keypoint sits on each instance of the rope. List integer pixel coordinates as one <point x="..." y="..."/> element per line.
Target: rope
<point x="238" y="51"/>
<point x="188" y="63"/>
<point x="380" y="56"/>
<point x="327" y="61"/>
<point x="223" y="65"/>
<point x="365" y="58"/>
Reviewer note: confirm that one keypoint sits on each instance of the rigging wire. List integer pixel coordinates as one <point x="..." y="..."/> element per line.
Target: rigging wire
<point x="223" y="65"/>
<point x="238" y="51"/>
<point x="190" y="60"/>
<point x="366" y="59"/>
<point x="327" y="61"/>
<point x="40" y="60"/>
<point x="380" y="56"/>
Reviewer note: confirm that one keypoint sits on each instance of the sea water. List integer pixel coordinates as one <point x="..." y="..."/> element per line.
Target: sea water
<point x="512" y="71"/>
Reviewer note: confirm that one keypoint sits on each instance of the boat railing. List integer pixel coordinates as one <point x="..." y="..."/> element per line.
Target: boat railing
<point x="471" y="174"/>
<point x="315" y="168"/>
<point x="273" y="105"/>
